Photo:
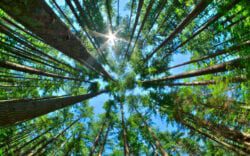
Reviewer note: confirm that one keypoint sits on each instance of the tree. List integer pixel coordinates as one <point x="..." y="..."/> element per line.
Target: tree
<point x="87" y="77"/>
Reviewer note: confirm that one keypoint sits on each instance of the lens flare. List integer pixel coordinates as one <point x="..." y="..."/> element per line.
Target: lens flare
<point x="111" y="38"/>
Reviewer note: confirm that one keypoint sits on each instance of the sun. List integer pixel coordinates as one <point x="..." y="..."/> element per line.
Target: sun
<point x="111" y="38"/>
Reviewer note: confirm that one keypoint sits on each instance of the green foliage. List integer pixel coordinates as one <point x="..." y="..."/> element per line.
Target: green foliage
<point x="171" y="113"/>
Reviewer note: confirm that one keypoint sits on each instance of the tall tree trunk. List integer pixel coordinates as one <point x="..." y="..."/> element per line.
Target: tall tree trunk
<point x="28" y="55"/>
<point x="131" y="13"/>
<point x="33" y="147"/>
<point x="104" y="141"/>
<point x="30" y="70"/>
<point x="19" y="27"/>
<point x="16" y="151"/>
<point x="108" y="5"/>
<point x="45" y="24"/>
<point x="138" y="12"/>
<point x="157" y="141"/>
<point x="222" y="130"/>
<point x="96" y="141"/>
<point x="204" y="26"/>
<point x="124" y="133"/>
<point x="149" y="7"/>
<point x="26" y="43"/>
<point x="213" y="55"/>
<point x="207" y="82"/>
<point x="209" y="70"/>
<point x="195" y="12"/>
<point x="55" y="137"/>
<point x="21" y="111"/>
<point x="214" y="138"/>
<point x="159" y="9"/>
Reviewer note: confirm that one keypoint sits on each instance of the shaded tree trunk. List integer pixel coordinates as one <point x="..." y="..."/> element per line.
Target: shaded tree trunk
<point x="21" y="111"/>
<point x="209" y="70"/>
<point x="26" y="43"/>
<point x="219" y="52"/>
<point x="45" y="24"/>
<point x="195" y="12"/>
<point x="214" y="138"/>
<point x="138" y="12"/>
<point x="32" y="140"/>
<point x="55" y="138"/>
<point x="204" y="26"/>
<point x="207" y="82"/>
<point x="149" y="7"/>
<point x="96" y="141"/>
<point x="30" y="70"/>
<point x="156" y="139"/>
<point x="124" y="133"/>
<point x="104" y="141"/>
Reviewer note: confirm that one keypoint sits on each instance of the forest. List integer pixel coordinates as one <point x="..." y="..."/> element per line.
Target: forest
<point x="125" y="77"/>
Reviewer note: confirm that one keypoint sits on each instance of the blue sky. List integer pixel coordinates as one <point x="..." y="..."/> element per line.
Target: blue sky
<point x="98" y="101"/>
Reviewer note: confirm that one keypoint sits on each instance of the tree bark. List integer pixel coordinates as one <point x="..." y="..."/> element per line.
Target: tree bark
<point x="219" y="52"/>
<point x="55" y="137"/>
<point x="45" y="24"/>
<point x="124" y="133"/>
<point x="131" y="13"/>
<point x="209" y="70"/>
<point x="138" y="12"/>
<point x="195" y="12"/>
<point x="30" y="70"/>
<point x="96" y="141"/>
<point x="221" y="130"/>
<point x="23" y="41"/>
<point x="215" y="138"/>
<point x="207" y="82"/>
<point x="203" y="27"/>
<point x="32" y="140"/>
<point x="28" y="55"/>
<point x="21" y="111"/>
<point x="104" y="141"/>
<point x="149" y="7"/>
<point x="157" y="141"/>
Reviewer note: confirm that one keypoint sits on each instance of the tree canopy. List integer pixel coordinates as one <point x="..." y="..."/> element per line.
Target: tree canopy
<point x="132" y="77"/>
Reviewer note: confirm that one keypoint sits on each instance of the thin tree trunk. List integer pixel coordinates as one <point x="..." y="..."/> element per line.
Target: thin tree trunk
<point x="214" y="138"/>
<point x="96" y="141"/>
<point x="30" y="70"/>
<point x="32" y="148"/>
<point x="23" y="41"/>
<point x="104" y="141"/>
<point x="85" y="25"/>
<point x="54" y="138"/>
<point x="203" y="27"/>
<point x="207" y="82"/>
<point x="209" y="70"/>
<point x="124" y="133"/>
<point x="224" y="131"/>
<point x="195" y="12"/>
<point x="138" y="12"/>
<point x="16" y="151"/>
<point x="131" y="13"/>
<point x="28" y="56"/>
<point x="149" y="7"/>
<point x="108" y="8"/>
<point x="19" y="27"/>
<point x="21" y="111"/>
<point x="156" y="139"/>
<point x="159" y="9"/>
<point x="219" y="52"/>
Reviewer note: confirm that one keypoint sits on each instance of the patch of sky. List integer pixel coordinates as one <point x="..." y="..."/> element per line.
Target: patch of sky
<point x="98" y="102"/>
<point x="178" y="58"/>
